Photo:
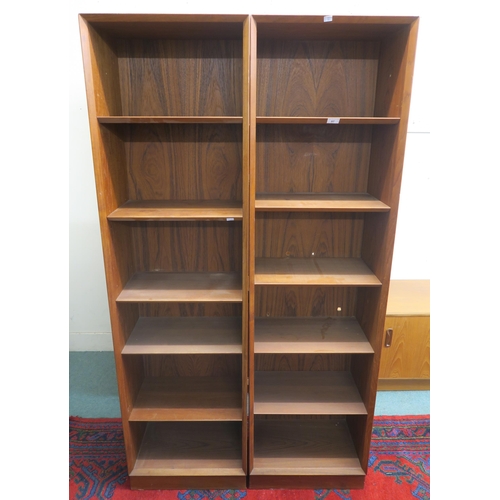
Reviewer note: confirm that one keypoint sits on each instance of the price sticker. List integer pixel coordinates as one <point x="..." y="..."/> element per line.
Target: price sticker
<point x="333" y="120"/>
<point x="327" y="19"/>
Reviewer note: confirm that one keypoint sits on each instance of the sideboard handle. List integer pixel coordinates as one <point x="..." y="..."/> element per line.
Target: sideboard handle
<point x="388" y="337"/>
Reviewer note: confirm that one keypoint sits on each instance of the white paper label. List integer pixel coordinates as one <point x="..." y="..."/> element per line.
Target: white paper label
<point x="230" y="218"/>
<point x="333" y="120"/>
<point x="327" y="19"/>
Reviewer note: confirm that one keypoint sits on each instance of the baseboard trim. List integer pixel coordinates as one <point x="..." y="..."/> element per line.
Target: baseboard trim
<point x="90" y="342"/>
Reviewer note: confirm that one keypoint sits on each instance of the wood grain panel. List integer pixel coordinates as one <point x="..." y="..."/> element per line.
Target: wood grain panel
<point x="187" y="246"/>
<point x="184" y="162"/>
<point x="181" y="77"/>
<point x="177" y="210"/>
<point x="307" y="393"/>
<point x="167" y="119"/>
<point x="386" y="166"/>
<point x="393" y="73"/>
<point x="302" y="362"/>
<point x="188" y="309"/>
<point x="409" y="298"/>
<point x="188" y="398"/>
<point x="310" y="335"/>
<point x="409" y="354"/>
<point x="102" y="72"/>
<point x="188" y="335"/>
<point x="190" y="449"/>
<point x="308" y="235"/>
<point x="108" y="153"/>
<point x="304" y="301"/>
<point x="351" y="482"/>
<point x="322" y="120"/>
<point x="247" y="137"/>
<point x="339" y="28"/>
<point x="405" y="365"/>
<point x="319" y="202"/>
<point x="301" y="447"/>
<point x="186" y="482"/>
<point x="187" y="26"/>
<point x="313" y="271"/>
<point x="192" y="365"/>
<point x="182" y="287"/>
<point x="312" y="158"/>
<point x="316" y="78"/>
<point x="362" y="367"/>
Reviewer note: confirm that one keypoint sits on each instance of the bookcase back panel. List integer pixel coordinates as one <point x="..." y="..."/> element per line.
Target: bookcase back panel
<point x="173" y="26"/>
<point x="192" y="365"/>
<point x="187" y="246"/>
<point x="185" y="309"/>
<point x="316" y="78"/>
<point x="302" y="362"/>
<point x="184" y="162"/>
<point x="312" y="158"/>
<point x="339" y="28"/>
<point x="308" y="235"/>
<point x="285" y="301"/>
<point x="180" y="77"/>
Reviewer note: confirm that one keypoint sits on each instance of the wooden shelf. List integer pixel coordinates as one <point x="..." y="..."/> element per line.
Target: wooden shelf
<point x="284" y="447"/>
<point x="314" y="271"/>
<point x="306" y="393"/>
<point x="310" y="335"/>
<point x="323" y="120"/>
<point x="178" y="210"/>
<point x="190" y="449"/>
<point x="182" y="287"/>
<point x="188" y="398"/>
<point x="117" y="120"/>
<point x="319" y="202"/>
<point x="196" y="335"/>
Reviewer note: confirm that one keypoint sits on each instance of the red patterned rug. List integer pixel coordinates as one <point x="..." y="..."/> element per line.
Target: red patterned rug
<point x="399" y="466"/>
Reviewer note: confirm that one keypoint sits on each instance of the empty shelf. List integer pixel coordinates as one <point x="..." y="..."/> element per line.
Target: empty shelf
<point x="284" y="447"/>
<point x="314" y="271"/>
<point x="190" y="449"/>
<point x="182" y="287"/>
<point x="188" y="398"/>
<point x="178" y="210"/>
<point x="194" y="335"/>
<point x="319" y="202"/>
<point x="306" y="393"/>
<point x="325" y="120"/>
<point x="310" y="335"/>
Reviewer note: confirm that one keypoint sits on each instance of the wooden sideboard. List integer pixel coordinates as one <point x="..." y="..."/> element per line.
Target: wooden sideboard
<point x="405" y="361"/>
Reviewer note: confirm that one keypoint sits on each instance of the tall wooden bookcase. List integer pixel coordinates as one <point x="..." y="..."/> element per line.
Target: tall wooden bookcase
<point x="248" y="171"/>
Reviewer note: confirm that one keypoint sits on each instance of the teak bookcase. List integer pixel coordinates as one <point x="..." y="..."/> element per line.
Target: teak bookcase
<point x="248" y="171"/>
